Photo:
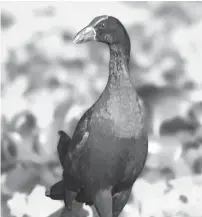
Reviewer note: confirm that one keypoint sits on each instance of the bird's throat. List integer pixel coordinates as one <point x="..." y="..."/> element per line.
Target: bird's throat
<point x="118" y="64"/>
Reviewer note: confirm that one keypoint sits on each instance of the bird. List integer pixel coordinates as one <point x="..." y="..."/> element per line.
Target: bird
<point x="109" y="146"/>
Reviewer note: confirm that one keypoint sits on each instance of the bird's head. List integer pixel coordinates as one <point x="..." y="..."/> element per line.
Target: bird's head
<point x="104" y="29"/>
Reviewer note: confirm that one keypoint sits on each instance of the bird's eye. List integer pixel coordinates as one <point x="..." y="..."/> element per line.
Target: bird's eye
<point x="102" y="25"/>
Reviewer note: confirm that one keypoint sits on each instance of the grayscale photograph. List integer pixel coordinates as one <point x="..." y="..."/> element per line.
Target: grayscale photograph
<point x="101" y="109"/>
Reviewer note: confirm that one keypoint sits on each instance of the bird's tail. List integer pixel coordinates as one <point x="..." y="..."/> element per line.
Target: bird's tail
<point x="56" y="192"/>
<point x="59" y="192"/>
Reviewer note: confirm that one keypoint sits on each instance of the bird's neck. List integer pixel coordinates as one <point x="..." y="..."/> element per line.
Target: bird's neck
<point x="119" y="64"/>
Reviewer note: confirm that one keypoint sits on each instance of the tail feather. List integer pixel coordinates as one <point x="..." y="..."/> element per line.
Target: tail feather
<point x="56" y="192"/>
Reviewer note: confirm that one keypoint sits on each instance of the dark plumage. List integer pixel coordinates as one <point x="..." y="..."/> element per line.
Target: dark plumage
<point x="57" y="191"/>
<point x="63" y="145"/>
<point x="109" y="147"/>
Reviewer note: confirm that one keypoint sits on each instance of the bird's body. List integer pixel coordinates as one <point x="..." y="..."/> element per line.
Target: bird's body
<point x="109" y="147"/>
<point x="116" y="134"/>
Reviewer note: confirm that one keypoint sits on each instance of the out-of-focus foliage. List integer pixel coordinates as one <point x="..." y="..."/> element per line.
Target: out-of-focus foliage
<point x="47" y="83"/>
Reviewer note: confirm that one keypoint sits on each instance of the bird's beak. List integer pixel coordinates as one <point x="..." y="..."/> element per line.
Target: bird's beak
<point x="86" y="34"/>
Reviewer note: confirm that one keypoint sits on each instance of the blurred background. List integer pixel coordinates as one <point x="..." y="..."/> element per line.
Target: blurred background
<point x="47" y="83"/>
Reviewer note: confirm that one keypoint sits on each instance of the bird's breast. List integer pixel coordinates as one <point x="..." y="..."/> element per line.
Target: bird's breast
<point x="121" y="115"/>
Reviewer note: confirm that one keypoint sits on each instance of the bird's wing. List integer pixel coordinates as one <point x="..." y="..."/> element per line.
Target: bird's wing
<point x="63" y="145"/>
<point x="81" y="133"/>
<point x="79" y="139"/>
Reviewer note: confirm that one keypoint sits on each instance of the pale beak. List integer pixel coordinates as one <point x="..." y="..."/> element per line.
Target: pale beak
<point x="86" y="34"/>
